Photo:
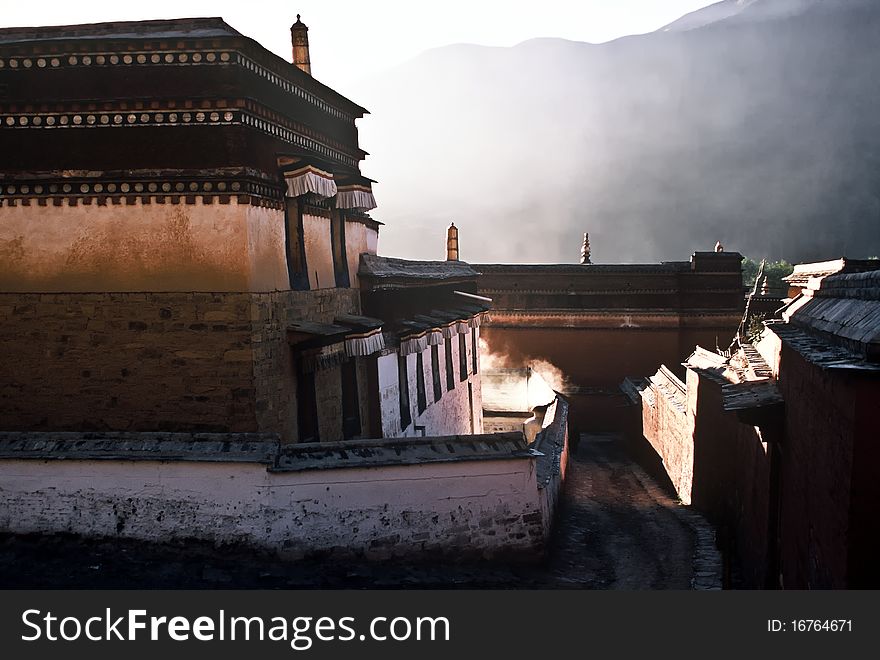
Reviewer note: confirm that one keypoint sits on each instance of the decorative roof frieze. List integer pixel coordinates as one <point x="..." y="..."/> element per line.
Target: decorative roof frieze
<point x="201" y="55"/>
<point x="198" y="112"/>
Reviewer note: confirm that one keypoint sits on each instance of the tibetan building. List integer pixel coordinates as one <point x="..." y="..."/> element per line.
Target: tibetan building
<point x="429" y="379"/>
<point x="194" y="317"/>
<point x="182" y="224"/>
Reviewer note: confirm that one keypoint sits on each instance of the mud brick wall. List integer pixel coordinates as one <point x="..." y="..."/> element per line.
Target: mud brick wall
<point x="126" y="361"/>
<point x="668" y="429"/>
<point x="751" y="497"/>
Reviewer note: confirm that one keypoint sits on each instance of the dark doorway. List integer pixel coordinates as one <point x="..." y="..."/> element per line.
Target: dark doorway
<point x="307" y="408"/>
<point x="351" y="414"/>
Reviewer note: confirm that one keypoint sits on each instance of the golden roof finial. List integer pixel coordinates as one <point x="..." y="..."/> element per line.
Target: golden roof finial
<point x="585" y="250"/>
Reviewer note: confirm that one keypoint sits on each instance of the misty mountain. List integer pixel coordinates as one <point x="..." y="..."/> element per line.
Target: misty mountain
<point x="752" y="122"/>
<point x="744" y="11"/>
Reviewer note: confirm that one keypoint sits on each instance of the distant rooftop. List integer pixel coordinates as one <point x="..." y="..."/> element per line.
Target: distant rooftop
<point x="582" y="269"/>
<point x="803" y="272"/>
<point x="702" y="261"/>
<point x="391" y="269"/>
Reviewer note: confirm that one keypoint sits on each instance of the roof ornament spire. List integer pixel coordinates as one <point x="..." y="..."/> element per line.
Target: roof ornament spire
<point x="719" y="247"/>
<point x="299" y="38"/>
<point x="585" y="251"/>
<point x="452" y="243"/>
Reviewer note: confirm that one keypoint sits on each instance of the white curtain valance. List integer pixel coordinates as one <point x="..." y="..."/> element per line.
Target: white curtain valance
<point x="462" y="327"/>
<point x="366" y="344"/>
<point x="449" y="330"/>
<point x="355" y="197"/>
<point x="435" y="338"/>
<point x="310" y="179"/>
<point x="414" y="344"/>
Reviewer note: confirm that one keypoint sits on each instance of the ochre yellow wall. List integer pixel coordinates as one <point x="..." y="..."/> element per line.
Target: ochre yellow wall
<point x="358" y="239"/>
<point x="319" y="254"/>
<point x="142" y="247"/>
<point x="266" y="250"/>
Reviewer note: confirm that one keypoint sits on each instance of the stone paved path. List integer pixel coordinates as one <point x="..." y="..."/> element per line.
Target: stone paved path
<point x="617" y="530"/>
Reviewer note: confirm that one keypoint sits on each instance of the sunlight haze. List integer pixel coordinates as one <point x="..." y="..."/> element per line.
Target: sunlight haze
<point x="351" y="39"/>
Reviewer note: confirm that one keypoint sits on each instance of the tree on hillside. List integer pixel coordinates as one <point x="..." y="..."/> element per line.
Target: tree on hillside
<point x="773" y="270"/>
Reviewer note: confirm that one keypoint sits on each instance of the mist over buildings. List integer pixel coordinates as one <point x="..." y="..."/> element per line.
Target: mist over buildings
<point x="758" y="129"/>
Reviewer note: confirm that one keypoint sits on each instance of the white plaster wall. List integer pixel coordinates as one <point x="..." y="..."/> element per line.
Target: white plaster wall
<point x="388" y="395"/>
<point x="373" y="241"/>
<point x="479" y="507"/>
<point x="477" y="380"/>
<point x="319" y="251"/>
<point x="449" y="416"/>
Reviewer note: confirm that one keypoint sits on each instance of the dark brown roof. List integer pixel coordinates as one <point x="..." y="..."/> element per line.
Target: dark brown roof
<point x="401" y="451"/>
<point x="750" y="395"/>
<point x="158" y="446"/>
<point x="802" y="273"/>
<point x="160" y="29"/>
<point x="819" y="351"/>
<point x="844" y="309"/>
<point x="178" y="28"/>
<point x="389" y="268"/>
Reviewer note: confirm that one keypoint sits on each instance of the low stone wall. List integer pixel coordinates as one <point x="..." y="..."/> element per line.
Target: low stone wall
<point x="475" y="496"/>
<point x="552" y="444"/>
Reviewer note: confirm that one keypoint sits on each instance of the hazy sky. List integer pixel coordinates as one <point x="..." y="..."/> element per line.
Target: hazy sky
<point x="351" y="39"/>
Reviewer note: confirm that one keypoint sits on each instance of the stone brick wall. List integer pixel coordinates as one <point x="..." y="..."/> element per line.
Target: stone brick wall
<point x="160" y="361"/>
<point x="274" y="377"/>
<point x="126" y="361"/>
